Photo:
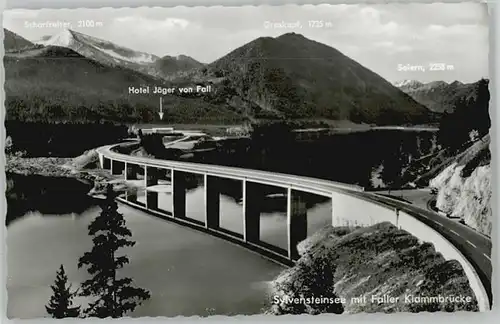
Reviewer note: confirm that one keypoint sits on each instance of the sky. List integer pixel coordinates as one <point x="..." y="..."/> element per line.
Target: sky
<point x="382" y="37"/>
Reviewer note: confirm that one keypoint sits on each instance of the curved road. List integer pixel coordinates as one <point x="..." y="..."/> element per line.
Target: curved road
<point x="307" y="184"/>
<point x="477" y="244"/>
<point x="472" y="244"/>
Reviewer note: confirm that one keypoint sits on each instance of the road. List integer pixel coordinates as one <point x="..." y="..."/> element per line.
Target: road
<point x="307" y="184"/>
<point x="424" y="199"/>
<point x="473" y="245"/>
<point x="187" y="142"/>
<point x="185" y="138"/>
<point x="417" y="197"/>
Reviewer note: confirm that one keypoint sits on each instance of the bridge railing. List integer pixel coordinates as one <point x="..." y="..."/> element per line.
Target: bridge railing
<point x="426" y="233"/>
<point x="322" y="187"/>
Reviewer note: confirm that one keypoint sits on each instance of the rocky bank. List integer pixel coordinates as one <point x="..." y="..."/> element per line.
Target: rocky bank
<point x="83" y="167"/>
<point x="373" y="269"/>
<point x="464" y="187"/>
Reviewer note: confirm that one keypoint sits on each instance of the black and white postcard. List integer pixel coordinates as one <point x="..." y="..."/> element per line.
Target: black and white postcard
<point x="293" y="159"/>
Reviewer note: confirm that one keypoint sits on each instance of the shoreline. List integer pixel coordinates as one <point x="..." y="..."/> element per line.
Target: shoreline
<point x="59" y="167"/>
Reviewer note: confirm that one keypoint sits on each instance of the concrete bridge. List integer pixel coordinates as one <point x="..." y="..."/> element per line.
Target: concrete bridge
<point x="351" y="205"/>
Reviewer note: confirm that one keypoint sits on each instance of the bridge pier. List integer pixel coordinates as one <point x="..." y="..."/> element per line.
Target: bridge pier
<point x="106" y="163"/>
<point x="117" y="167"/>
<point x="130" y="171"/>
<point x="101" y="160"/>
<point x="212" y="202"/>
<point x="179" y="186"/>
<point x="252" y="200"/>
<point x="151" y="179"/>
<point x="131" y="196"/>
<point x="296" y="222"/>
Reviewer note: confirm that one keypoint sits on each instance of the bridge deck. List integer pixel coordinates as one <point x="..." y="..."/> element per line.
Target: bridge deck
<point x="474" y="248"/>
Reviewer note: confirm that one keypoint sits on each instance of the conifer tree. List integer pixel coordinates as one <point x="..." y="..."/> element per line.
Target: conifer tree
<point x="113" y="296"/>
<point x="61" y="303"/>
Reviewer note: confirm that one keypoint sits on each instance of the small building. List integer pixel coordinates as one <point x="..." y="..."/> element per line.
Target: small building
<point x="163" y="130"/>
<point x="158" y="130"/>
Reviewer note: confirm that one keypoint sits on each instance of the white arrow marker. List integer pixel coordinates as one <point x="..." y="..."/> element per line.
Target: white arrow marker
<point x="161" y="108"/>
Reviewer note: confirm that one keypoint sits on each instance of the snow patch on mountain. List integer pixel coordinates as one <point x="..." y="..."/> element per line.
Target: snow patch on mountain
<point x="63" y="39"/>
<point x="407" y="83"/>
<point x="141" y="58"/>
<point x="42" y="40"/>
<point x="78" y="42"/>
<point x="114" y="50"/>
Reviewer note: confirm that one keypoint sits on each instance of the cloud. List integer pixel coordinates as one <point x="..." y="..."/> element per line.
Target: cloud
<point x="436" y="28"/>
<point x="16" y="14"/>
<point x="456" y="30"/>
<point x="377" y="35"/>
<point x="392" y="47"/>
<point x="141" y="23"/>
<point x="370" y="13"/>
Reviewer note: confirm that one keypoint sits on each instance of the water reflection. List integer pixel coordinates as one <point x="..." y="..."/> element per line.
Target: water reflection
<point x="167" y="257"/>
<point x="48" y="195"/>
<point x="185" y="270"/>
<point x="273" y="229"/>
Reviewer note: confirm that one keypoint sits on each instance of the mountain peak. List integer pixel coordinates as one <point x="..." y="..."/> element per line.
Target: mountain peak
<point x="440" y="96"/>
<point x="13" y="41"/>
<point x="177" y="58"/>
<point x="100" y="50"/>
<point x="456" y="83"/>
<point x="435" y="85"/>
<point x="292" y="76"/>
<point x="409" y="84"/>
<point x="63" y="38"/>
<point x="168" y="64"/>
<point x="292" y="35"/>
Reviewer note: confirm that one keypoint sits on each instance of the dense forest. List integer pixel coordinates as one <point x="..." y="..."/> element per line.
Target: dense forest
<point x="470" y="118"/>
<point x="35" y="139"/>
<point x="349" y="157"/>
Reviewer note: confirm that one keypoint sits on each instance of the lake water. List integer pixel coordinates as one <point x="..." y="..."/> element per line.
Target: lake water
<point x="186" y="271"/>
<point x="372" y="159"/>
<point x="273" y="224"/>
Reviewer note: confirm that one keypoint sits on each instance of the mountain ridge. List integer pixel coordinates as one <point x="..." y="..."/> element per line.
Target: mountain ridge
<point x="170" y="66"/>
<point x="407" y="83"/>
<point x="286" y="77"/>
<point x="111" y="54"/>
<point x="83" y="43"/>
<point x="439" y="96"/>
<point x="15" y="42"/>
<point x="58" y="84"/>
<point x="292" y="76"/>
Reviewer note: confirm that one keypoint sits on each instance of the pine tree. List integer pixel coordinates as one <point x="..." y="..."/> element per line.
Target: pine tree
<point x="60" y="304"/>
<point x="114" y="296"/>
